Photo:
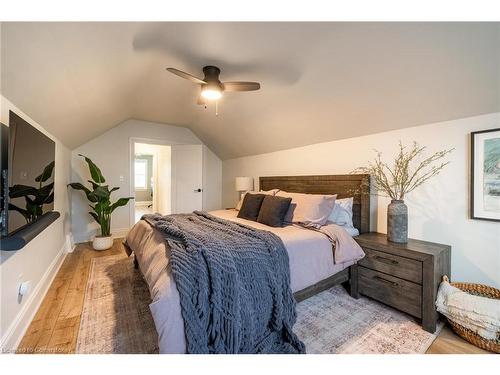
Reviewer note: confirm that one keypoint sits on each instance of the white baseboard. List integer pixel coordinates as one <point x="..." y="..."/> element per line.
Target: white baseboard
<point x="143" y="203"/>
<point x="13" y="335"/>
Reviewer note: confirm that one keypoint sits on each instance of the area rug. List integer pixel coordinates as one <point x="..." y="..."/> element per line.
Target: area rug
<point x="116" y="318"/>
<point x="332" y="322"/>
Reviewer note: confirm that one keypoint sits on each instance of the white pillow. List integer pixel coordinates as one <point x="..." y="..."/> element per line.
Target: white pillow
<point x="269" y="192"/>
<point x="308" y="209"/>
<point x="342" y="212"/>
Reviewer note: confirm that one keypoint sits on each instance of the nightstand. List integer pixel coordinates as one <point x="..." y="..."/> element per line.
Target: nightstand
<point x="403" y="276"/>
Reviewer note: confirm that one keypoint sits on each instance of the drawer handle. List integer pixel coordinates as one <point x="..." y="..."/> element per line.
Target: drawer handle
<point x="385" y="260"/>
<point x="385" y="280"/>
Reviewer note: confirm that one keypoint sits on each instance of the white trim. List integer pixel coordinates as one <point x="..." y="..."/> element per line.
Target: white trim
<point x="143" y="203"/>
<point x="20" y="324"/>
<point x="151" y="141"/>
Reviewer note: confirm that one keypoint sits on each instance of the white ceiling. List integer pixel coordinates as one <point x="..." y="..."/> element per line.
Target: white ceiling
<point x="320" y="81"/>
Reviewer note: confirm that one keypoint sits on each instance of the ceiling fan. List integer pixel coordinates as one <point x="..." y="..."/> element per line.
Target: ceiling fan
<point x="211" y="87"/>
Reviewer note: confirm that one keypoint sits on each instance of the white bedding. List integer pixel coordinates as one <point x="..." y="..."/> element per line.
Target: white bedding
<point x="310" y="254"/>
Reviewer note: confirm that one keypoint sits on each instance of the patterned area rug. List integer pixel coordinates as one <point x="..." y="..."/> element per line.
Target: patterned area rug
<point x="333" y="322"/>
<point x="116" y="318"/>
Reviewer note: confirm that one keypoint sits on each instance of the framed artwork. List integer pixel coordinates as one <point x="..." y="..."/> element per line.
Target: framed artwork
<point x="485" y="175"/>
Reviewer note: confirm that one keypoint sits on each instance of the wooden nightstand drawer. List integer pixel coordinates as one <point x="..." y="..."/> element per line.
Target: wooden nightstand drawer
<point x="401" y="294"/>
<point x="404" y="268"/>
<point x="403" y="275"/>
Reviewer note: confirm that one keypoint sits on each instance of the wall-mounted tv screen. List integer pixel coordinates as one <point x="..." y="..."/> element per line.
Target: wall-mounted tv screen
<point x="28" y="192"/>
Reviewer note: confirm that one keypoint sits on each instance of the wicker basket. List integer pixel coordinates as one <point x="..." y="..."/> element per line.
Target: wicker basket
<point x="467" y="334"/>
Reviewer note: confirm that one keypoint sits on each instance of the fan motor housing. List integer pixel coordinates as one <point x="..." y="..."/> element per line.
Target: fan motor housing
<point x="211" y="74"/>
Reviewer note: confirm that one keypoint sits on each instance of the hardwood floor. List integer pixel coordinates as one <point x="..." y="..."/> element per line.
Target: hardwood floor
<point x="55" y="326"/>
<point x="449" y="343"/>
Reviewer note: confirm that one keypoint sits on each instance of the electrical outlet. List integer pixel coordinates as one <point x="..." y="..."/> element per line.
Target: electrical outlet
<point x="24" y="288"/>
<point x="122" y="178"/>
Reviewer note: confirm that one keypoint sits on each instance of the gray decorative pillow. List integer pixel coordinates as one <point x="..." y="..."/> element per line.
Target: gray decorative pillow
<point x="251" y="206"/>
<point x="273" y="210"/>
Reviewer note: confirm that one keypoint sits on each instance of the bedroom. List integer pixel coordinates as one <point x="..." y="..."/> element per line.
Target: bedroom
<point x="308" y="175"/>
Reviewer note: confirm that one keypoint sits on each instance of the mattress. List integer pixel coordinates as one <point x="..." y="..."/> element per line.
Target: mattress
<point x="310" y="255"/>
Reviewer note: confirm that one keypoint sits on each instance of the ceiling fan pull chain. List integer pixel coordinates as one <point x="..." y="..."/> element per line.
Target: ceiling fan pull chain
<point x="216" y="108"/>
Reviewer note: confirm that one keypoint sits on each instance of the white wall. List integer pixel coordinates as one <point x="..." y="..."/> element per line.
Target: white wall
<point x="111" y="152"/>
<point x="438" y="210"/>
<point x="212" y="180"/>
<point x="164" y="180"/>
<point x="40" y="259"/>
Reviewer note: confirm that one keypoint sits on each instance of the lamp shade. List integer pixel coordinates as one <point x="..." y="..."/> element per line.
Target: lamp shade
<point x="244" y="183"/>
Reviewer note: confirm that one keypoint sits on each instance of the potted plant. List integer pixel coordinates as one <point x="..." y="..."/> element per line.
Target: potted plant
<point x="409" y="171"/>
<point x="100" y="203"/>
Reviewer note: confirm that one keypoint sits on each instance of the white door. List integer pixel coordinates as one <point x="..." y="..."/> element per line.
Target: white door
<point x="187" y="178"/>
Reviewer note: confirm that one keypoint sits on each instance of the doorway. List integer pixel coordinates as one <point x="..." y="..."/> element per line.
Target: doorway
<point x="165" y="178"/>
<point x="152" y="179"/>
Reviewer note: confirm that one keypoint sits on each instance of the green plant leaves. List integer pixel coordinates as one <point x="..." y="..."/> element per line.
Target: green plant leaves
<point x="95" y="172"/>
<point x="47" y="173"/>
<point x="102" y="192"/>
<point x="78" y="186"/>
<point x="90" y="195"/>
<point x="100" y="195"/>
<point x="120" y="202"/>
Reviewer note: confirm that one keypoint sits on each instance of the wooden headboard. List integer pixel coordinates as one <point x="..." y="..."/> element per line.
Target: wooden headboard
<point x="345" y="186"/>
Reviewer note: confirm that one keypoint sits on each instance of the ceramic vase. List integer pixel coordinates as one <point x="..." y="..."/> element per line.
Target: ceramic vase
<point x="397" y="221"/>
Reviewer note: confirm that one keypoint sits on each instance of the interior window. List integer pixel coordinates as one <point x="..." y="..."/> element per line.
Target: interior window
<point x="141" y="172"/>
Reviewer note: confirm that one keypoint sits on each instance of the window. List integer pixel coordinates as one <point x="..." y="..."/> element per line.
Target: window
<point x="141" y="173"/>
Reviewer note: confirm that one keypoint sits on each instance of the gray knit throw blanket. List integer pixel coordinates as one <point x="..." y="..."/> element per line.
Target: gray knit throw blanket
<point x="234" y="285"/>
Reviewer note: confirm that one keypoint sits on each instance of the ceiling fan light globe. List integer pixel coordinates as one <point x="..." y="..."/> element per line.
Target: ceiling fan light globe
<point x="211" y="93"/>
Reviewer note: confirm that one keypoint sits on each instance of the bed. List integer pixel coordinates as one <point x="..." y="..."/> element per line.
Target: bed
<point x="309" y="274"/>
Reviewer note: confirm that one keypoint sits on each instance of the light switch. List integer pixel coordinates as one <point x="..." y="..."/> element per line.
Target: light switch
<point x="122" y="178"/>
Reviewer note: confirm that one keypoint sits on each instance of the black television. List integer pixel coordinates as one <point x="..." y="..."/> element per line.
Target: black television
<point x="27" y="188"/>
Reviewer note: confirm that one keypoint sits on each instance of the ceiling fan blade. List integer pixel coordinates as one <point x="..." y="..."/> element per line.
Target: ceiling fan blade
<point x="241" y="86"/>
<point x="185" y="75"/>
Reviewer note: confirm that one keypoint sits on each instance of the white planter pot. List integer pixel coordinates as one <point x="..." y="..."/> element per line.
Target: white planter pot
<point x="102" y="243"/>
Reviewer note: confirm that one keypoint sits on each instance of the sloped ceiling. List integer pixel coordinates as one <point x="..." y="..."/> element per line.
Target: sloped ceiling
<point x="320" y="81"/>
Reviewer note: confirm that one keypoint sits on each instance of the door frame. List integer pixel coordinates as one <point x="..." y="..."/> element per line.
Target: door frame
<point x="132" y="142"/>
<point x="160" y="142"/>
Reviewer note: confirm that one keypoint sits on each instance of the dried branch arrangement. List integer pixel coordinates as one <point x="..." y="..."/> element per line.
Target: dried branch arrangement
<point x="410" y="170"/>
